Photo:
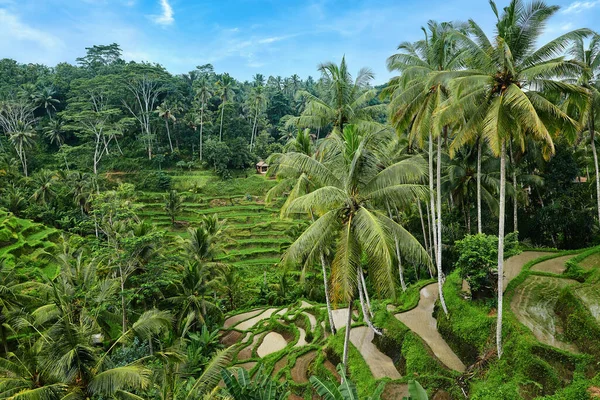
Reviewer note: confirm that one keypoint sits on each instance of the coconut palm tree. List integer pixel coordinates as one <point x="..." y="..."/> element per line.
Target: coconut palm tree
<point x="225" y="91"/>
<point x="173" y="204"/>
<point x="42" y="182"/>
<point x="166" y="112"/>
<point x="589" y="79"/>
<point x="347" y="101"/>
<point x="45" y="99"/>
<point x="55" y="132"/>
<point x="501" y="94"/>
<point x="352" y="179"/>
<point x="203" y="94"/>
<point x="415" y="98"/>
<point x="22" y="138"/>
<point x="258" y="101"/>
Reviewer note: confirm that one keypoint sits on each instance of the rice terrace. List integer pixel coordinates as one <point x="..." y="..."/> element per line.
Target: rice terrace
<point x="259" y="200"/>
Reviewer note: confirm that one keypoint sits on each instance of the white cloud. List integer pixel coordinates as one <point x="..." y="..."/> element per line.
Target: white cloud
<point x="13" y="29"/>
<point x="166" y="18"/>
<point x="579" y="6"/>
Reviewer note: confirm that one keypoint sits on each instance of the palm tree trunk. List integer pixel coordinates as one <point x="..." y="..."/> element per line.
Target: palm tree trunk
<point x="201" y="128"/>
<point x="327" y="299"/>
<point x="169" y="134"/>
<point x="400" y="272"/>
<point x="501" y="219"/>
<point x="425" y="241"/>
<point x="366" y="292"/>
<point x="347" y="336"/>
<point x="595" y="154"/>
<point x="366" y="309"/>
<point x="439" y="224"/>
<point x="432" y="200"/>
<point x="221" y="128"/>
<point x="479" y="146"/>
<point x="253" y="136"/>
<point x="514" y="182"/>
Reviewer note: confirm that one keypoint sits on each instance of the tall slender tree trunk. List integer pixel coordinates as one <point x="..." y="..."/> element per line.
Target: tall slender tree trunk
<point x="366" y="292"/>
<point x="432" y="201"/>
<point x="501" y="219"/>
<point x="201" y="129"/>
<point x="253" y="136"/>
<point x="514" y="182"/>
<point x="362" y="294"/>
<point x="439" y="223"/>
<point x="169" y="134"/>
<point x="400" y="272"/>
<point x="595" y="154"/>
<point x="327" y="299"/>
<point x="221" y="129"/>
<point x="479" y="149"/>
<point x="425" y="241"/>
<point x="347" y="335"/>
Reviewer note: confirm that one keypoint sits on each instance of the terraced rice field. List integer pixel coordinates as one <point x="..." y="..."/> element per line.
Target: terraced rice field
<point x="255" y="231"/>
<point x="30" y="240"/>
<point x="533" y="304"/>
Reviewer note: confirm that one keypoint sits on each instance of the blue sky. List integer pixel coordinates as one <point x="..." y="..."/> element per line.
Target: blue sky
<point x="244" y="37"/>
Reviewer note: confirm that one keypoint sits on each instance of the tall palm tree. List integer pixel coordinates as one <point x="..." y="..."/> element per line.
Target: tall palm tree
<point x="55" y="132"/>
<point x="22" y="138"/>
<point x="225" y="91"/>
<point x="203" y="93"/>
<point x="258" y="101"/>
<point x="166" y="112"/>
<point x="415" y="98"/>
<point x="501" y="93"/>
<point x="352" y="180"/>
<point x="589" y="79"/>
<point x="347" y="101"/>
<point x="42" y="181"/>
<point x="45" y="99"/>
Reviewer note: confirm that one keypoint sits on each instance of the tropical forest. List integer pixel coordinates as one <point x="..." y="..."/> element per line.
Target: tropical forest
<point x="183" y="236"/>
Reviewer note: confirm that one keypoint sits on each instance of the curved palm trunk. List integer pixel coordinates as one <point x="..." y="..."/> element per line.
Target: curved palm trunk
<point x="253" y="136"/>
<point x="439" y="225"/>
<point x="169" y="134"/>
<point x="595" y="154"/>
<point x="327" y="299"/>
<point x="501" y="247"/>
<point x="366" y="310"/>
<point x="366" y="292"/>
<point x="221" y="128"/>
<point x="514" y="182"/>
<point x="479" y="146"/>
<point x="347" y="336"/>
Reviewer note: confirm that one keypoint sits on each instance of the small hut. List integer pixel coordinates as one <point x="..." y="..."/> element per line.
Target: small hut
<point x="261" y="167"/>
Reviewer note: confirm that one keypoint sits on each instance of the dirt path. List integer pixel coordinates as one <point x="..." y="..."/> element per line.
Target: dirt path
<point x="533" y="305"/>
<point x="246" y="352"/>
<point x="514" y="265"/>
<point x="240" y="317"/>
<point x="554" y="265"/>
<point x="381" y="366"/>
<point x="249" y="323"/>
<point x="272" y="343"/>
<point x="300" y="370"/>
<point x="420" y="320"/>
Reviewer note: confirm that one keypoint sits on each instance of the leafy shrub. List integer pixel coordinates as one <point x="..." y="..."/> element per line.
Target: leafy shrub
<point x="478" y="256"/>
<point x="156" y="182"/>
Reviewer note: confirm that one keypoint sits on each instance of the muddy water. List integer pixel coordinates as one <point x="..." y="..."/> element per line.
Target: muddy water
<point x="272" y="343"/>
<point x="420" y="320"/>
<point x="240" y="317"/>
<point x="533" y="305"/>
<point x="249" y="323"/>
<point x="381" y="366"/>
